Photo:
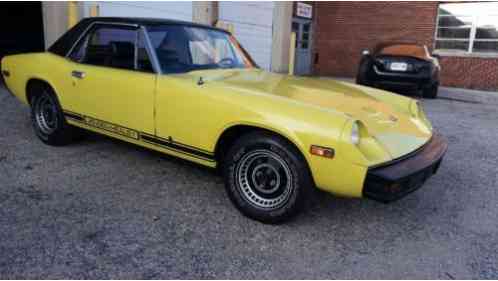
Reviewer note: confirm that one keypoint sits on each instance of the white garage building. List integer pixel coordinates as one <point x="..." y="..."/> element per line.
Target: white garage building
<point x="263" y="28"/>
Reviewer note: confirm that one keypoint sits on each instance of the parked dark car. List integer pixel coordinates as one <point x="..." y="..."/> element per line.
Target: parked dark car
<point x="400" y="67"/>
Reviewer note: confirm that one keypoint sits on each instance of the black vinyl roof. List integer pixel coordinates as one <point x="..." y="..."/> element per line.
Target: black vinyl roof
<point x="147" y="21"/>
<point x="65" y="42"/>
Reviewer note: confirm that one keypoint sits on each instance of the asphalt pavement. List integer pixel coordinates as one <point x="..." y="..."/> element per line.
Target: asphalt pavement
<point x="101" y="208"/>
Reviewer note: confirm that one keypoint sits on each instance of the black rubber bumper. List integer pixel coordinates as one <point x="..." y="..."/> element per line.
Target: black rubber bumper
<point x="394" y="180"/>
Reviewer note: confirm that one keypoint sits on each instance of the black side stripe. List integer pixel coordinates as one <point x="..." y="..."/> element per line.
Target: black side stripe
<point x="103" y="125"/>
<point x="170" y="140"/>
<point x="164" y="143"/>
<point x="177" y="146"/>
<point x="74" y="116"/>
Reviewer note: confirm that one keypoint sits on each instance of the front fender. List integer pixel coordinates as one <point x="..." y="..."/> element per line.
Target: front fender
<point x="287" y="134"/>
<point x="340" y="175"/>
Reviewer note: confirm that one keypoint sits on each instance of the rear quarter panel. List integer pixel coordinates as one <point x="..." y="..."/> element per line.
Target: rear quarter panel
<point x="53" y="69"/>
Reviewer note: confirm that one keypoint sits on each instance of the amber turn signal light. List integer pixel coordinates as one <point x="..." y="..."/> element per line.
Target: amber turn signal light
<point x="322" y="151"/>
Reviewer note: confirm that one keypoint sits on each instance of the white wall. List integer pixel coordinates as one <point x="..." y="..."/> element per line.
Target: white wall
<point x="166" y="10"/>
<point x="252" y="23"/>
<point x="54" y="21"/>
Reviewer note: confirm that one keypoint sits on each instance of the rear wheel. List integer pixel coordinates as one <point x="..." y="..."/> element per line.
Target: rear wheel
<point x="430" y="92"/>
<point x="362" y="72"/>
<point x="48" y="119"/>
<point x="266" y="177"/>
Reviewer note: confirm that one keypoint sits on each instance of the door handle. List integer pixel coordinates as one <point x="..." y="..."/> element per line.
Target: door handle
<point x="78" y="74"/>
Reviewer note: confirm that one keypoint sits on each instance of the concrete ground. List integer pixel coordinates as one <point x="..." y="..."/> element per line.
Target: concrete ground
<point x="102" y="208"/>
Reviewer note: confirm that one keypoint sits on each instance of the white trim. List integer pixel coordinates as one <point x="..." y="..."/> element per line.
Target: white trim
<point x="464" y="54"/>
<point x="472" y="33"/>
<point x="471" y="39"/>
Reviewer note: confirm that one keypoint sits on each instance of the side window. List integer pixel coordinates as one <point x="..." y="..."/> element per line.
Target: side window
<point x="113" y="46"/>
<point x="78" y="53"/>
<point x="172" y="48"/>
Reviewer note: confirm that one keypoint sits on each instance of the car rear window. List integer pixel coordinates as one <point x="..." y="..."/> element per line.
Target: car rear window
<point x="405" y="50"/>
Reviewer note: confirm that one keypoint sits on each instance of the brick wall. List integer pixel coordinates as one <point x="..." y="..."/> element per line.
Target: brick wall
<point x="470" y="73"/>
<point x="344" y="29"/>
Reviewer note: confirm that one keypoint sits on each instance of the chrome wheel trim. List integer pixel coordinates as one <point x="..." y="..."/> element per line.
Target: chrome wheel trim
<point x="264" y="179"/>
<point x="45" y="112"/>
<point x="265" y="170"/>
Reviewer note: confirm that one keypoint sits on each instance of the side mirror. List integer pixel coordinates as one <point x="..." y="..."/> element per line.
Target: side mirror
<point x="365" y="52"/>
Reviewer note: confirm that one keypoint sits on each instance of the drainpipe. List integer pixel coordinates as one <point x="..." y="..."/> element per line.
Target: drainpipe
<point x="292" y="53"/>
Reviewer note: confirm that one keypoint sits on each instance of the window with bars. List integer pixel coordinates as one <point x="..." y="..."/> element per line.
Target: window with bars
<point x="467" y="27"/>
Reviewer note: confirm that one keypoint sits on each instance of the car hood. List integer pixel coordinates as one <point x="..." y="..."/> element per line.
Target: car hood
<point x="389" y="122"/>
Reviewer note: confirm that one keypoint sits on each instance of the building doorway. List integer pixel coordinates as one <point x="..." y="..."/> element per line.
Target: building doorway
<point x="22" y="28"/>
<point x="303" y="30"/>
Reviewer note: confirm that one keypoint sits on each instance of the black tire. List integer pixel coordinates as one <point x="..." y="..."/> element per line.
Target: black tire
<point x="48" y="119"/>
<point x="430" y="92"/>
<point x="362" y="72"/>
<point x="266" y="177"/>
<point x="360" y="81"/>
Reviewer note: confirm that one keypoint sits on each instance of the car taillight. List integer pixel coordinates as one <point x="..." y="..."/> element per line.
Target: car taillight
<point x="382" y="62"/>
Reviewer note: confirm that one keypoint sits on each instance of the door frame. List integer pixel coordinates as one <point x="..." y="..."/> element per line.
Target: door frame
<point x="301" y="22"/>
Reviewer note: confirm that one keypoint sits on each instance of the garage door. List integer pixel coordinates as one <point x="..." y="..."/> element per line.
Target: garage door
<point x="252" y="22"/>
<point x="165" y="10"/>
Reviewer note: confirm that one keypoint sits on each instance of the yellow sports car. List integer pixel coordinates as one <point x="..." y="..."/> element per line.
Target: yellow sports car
<point x="192" y="91"/>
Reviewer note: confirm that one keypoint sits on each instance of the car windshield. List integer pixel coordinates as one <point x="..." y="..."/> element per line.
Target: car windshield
<point x="182" y="49"/>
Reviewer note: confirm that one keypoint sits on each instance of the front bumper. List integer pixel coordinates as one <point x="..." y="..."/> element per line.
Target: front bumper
<point x="396" y="179"/>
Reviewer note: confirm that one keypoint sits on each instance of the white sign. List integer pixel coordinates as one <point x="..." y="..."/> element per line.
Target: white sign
<point x="304" y="10"/>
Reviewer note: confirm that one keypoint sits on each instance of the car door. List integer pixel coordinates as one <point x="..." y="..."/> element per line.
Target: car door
<point x="113" y="82"/>
<point x="185" y="114"/>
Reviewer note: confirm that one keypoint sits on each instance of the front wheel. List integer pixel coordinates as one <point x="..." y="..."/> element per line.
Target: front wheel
<point x="266" y="177"/>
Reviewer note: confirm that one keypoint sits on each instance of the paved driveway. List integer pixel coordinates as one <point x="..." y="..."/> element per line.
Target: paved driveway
<point x="105" y="209"/>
